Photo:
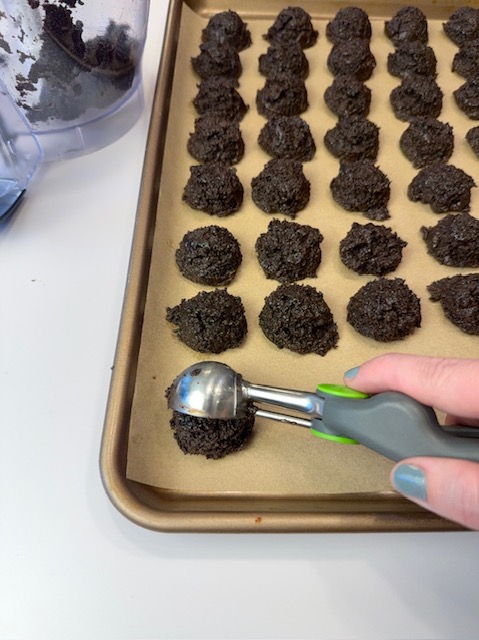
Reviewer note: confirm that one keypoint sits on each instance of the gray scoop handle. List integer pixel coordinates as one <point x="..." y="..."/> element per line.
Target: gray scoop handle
<point x="396" y="426"/>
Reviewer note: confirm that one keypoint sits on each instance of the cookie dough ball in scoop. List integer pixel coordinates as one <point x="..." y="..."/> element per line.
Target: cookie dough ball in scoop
<point x="210" y="437"/>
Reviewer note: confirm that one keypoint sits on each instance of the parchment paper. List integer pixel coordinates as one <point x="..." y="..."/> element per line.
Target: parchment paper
<point x="283" y="459"/>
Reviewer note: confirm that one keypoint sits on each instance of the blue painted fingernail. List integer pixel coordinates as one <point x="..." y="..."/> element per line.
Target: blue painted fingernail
<point x="351" y="373"/>
<point x="410" y="480"/>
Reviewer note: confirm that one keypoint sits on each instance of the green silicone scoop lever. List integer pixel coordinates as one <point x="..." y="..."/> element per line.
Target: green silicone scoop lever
<point x="391" y="423"/>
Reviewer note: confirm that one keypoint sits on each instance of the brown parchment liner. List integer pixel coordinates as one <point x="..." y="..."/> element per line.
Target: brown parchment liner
<point x="281" y="459"/>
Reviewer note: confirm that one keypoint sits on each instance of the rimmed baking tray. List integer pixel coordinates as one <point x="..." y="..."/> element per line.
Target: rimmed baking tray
<point x="284" y="480"/>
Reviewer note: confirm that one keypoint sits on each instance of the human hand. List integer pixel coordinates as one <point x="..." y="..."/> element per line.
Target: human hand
<point x="448" y="487"/>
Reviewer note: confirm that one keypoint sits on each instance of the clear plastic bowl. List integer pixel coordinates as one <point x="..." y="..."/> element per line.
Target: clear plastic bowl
<point x="73" y="68"/>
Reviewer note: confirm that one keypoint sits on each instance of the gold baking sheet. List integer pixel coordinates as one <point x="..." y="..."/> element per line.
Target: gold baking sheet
<point x="284" y="479"/>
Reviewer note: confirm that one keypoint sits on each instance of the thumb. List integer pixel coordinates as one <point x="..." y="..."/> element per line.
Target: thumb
<point x="445" y="486"/>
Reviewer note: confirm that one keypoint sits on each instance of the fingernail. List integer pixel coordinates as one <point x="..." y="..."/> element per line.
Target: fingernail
<point x="351" y="373"/>
<point x="410" y="480"/>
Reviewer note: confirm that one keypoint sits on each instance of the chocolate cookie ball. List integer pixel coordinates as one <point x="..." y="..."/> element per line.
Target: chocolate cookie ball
<point x="210" y="437"/>
<point x="296" y="317"/>
<point x="217" y="60"/>
<point x="371" y="249"/>
<point x="384" y="310"/>
<point x="466" y="60"/>
<point x="281" y="187"/>
<point x="220" y="96"/>
<point x="443" y="187"/>
<point x="352" y="58"/>
<point x="361" y="186"/>
<point x="459" y="298"/>
<point x="348" y="96"/>
<point x="209" y="255"/>
<point x="353" y="138"/>
<point x="467" y="98"/>
<point x="454" y="240"/>
<point x="427" y="140"/>
<point x="287" y="137"/>
<point x="284" y="59"/>
<point x="289" y="251"/>
<point x="409" y="24"/>
<point x="349" y="22"/>
<point x="216" y="139"/>
<point x="214" y="189"/>
<point x="472" y="137"/>
<point x="282" y="95"/>
<point x="292" y="24"/>
<point x="463" y="25"/>
<point x="414" y="58"/>
<point x="210" y="322"/>
<point x="416" y="96"/>
<point x="228" y="28"/>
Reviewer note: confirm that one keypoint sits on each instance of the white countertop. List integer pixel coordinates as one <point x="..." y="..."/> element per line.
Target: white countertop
<point x="71" y="566"/>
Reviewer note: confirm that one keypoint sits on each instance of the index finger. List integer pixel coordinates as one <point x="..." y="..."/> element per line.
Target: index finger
<point x="448" y="384"/>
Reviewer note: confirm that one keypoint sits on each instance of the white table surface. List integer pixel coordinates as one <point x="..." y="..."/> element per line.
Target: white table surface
<point x="72" y="567"/>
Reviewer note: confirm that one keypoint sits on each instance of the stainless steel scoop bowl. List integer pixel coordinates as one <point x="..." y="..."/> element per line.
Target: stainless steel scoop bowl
<point x="214" y="390"/>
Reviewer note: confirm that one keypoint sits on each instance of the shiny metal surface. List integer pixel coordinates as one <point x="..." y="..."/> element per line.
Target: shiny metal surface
<point x="213" y="390"/>
<point x="208" y="390"/>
